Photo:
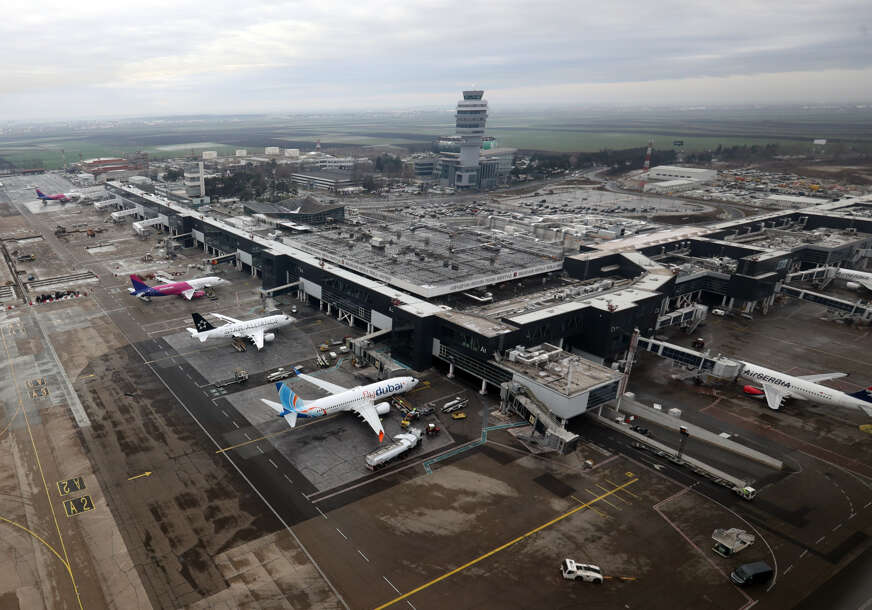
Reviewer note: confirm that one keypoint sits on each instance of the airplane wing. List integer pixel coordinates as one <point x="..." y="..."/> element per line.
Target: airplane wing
<point x="774" y="395"/>
<point x="867" y="284"/>
<point x="368" y="413"/>
<point x="291" y="417"/>
<point x="324" y="385"/>
<point x="226" y="318"/>
<point x="821" y="377"/>
<point x="257" y="337"/>
<point x="188" y="294"/>
<point x="164" y="279"/>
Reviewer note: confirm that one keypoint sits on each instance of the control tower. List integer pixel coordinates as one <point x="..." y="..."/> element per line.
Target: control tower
<point x="471" y="118"/>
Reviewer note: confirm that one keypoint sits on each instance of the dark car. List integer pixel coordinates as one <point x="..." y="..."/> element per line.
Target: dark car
<point x="749" y="574"/>
<point x="640" y="430"/>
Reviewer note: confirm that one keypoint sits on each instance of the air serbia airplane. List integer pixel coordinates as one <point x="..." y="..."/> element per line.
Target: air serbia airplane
<point x="189" y="289"/>
<point x="360" y="400"/>
<point x="777" y="386"/>
<point x="62" y="197"/>
<point x="856" y="279"/>
<point x="256" y="329"/>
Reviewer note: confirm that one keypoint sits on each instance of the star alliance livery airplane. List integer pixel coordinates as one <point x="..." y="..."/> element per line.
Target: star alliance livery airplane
<point x="252" y="329"/>
<point x="361" y="400"/>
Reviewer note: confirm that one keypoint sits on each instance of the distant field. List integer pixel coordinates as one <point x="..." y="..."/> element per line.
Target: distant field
<point x="559" y="130"/>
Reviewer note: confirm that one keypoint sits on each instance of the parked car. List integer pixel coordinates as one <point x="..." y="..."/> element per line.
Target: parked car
<point x="640" y="430"/>
<point x="749" y="574"/>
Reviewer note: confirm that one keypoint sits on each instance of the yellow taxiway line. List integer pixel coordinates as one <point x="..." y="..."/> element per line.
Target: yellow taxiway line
<point x="506" y="545"/>
<point x="66" y="559"/>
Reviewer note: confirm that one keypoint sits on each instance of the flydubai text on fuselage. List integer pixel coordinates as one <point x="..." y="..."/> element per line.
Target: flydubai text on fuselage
<point x="777" y="386"/>
<point x="62" y="197"/>
<point x="189" y="288"/>
<point x="360" y="400"/>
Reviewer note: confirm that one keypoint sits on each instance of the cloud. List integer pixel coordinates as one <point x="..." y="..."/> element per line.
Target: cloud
<point x="118" y="58"/>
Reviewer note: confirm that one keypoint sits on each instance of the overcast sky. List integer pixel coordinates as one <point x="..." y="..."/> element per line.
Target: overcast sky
<point x="61" y="59"/>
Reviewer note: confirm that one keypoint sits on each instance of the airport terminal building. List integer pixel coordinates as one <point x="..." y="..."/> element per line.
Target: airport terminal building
<point x="464" y="300"/>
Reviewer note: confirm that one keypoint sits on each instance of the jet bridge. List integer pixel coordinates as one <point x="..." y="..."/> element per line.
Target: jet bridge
<point x="107" y="203"/>
<point x="703" y="364"/>
<point x="859" y="310"/>
<point x="125" y="213"/>
<point x="821" y="275"/>
<point x="140" y="226"/>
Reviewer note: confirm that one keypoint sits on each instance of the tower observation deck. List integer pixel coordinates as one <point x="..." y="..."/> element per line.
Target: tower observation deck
<point x="471" y="117"/>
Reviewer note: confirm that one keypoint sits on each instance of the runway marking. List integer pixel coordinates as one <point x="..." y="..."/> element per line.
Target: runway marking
<point x="507" y="544"/>
<point x="346" y="537"/>
<point x="237" y="427"/>
<point x="616" y="495"/>
<point x="321" y="511"/>
<point x="259" y="449"/>
<point x="362" y="555"/>
<point x="819" y="540"/>
<point x="289" y="479"/>
<point x="593" y="493"/>
<point x="266" y="436"/>
<point x="410" y="605"/>
<point x="391" y="584"/>
<point x="867" y="504"/>
<point x="273" y="463"/>
<point x="837" y="527"/>
<point x="627" y="491"/>
<point x="41" y="472"/>
<point x="225" y="413"/>
<point x="245" y="434"/>
<point x="596" y="510"/>
<point x="788" y="569"/>
<point x="804" y="553"/>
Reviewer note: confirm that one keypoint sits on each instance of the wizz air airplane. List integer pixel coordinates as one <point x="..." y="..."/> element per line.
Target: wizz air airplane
<point x="62" y="197"/>
<point x="776" y="387"/>
<point x="360" y="400"/>
<point x="256" y="329"/>
<point x="190" y="289"/>
<point x="856" y="279"/>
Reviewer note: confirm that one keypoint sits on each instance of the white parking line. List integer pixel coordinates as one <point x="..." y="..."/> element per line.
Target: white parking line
<point x="804" y="553"/>
<point x="837" y="527"/>
<point x="289" y="479"/>
<point x="259" y="449"/>
<point x="819" y="540"/>
<point x="225" y="413"/>
<point x="322" y="512"/>
<point x="237" y="425"/>
<point x="343" y="535"/>
<point x="788" y="569"/>
<point x="273" y="463"/>
<point x="867" y="504"/>
<point x="245" y="434"/>
<point x="410" y="605"/>
<point x="359" y="551"/>
<point x="391" y="584"/>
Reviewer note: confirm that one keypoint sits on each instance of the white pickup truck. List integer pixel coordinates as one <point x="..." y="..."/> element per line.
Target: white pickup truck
<point x="573" y="570"/>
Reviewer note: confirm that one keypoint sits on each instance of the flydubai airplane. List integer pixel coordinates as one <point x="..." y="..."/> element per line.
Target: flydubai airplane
<point x="62" y="197"/>
<point x="256" y="329"/>
<point x="856" y="279"/>
<point x="361" y="400"/>
<point x="190" y="289"/>
<point x="777" y="386"/>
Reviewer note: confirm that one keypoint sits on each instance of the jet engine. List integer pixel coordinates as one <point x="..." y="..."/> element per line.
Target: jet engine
<point x="269" y="337"/>
<point x="382" y="408"/>
<point x="852" y="286"/>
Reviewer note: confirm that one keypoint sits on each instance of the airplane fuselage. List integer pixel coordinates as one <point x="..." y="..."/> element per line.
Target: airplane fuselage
<point x="177" y="288"/>
<point x="801" y="389"/>
<point x="372" y="393"/>
<point x="242" y="329"/>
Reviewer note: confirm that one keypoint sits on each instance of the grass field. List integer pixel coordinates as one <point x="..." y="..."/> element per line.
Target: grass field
<point x="561" y="131"/>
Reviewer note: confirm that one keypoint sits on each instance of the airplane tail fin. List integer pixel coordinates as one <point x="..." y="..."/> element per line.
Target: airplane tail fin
<point x="39" y="193"/>
<point x="138" y="284"/>
<point x="201" y="323"/>
<point x="288" y="398"/>
<point x="864" y="394"/>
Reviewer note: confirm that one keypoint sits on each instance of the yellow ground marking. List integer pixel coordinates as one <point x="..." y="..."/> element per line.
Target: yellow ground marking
<point x="596" y="510"/>
<point x="38" y="537"/>
<point x="629" y="474"/>
<point x="616" y="495"/>
<point x="39" y="465"/>
<point x="425" y="385"/>
<point x="279" y="433"/>
<point x="506" y="545"/>
<point x="593" y="493"/>
<point x="11" y="419"/>
<point x="147" y="473"/>
<point x="625" y="491"/>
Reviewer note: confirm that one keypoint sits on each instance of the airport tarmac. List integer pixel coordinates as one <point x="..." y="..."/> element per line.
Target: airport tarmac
<point x="199" y="500"/>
